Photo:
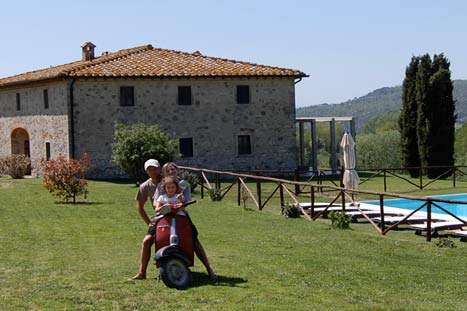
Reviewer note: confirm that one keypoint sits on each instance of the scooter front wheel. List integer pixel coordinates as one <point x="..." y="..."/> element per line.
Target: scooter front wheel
<point x="174" y="273"/>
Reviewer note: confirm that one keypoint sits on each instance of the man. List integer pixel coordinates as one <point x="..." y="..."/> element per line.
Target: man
<point x="146" y="190"/>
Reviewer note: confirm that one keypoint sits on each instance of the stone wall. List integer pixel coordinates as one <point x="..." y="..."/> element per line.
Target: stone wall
<point x="43" y="125"/>
<point x="213" y="120"/>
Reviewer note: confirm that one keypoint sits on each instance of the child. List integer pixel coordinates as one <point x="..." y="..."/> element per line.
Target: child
<point x="172" y="195"/>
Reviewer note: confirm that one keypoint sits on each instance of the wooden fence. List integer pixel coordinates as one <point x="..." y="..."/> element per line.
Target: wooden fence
<point x="283" y="187"/>
<point x="323" y="175"/>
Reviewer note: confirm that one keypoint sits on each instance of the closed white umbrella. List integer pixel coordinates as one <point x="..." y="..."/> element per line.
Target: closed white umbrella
<point x="350" y="178"/>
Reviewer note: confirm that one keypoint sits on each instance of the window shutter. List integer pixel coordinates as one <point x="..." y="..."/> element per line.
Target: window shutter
<point x="127" y="96"/>
<point x="243" y="94"/>
<point x="184" y="95"/>
<point x="186" y="147"/>
<point x="244" y="144"/>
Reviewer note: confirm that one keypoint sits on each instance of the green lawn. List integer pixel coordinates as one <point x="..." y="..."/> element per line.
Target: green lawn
<point x="59" y="256"/>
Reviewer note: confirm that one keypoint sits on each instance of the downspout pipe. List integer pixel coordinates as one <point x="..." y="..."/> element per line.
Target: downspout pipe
<point x="71" y="120"/>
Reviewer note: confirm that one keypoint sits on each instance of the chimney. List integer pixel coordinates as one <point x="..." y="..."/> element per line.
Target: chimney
<point x="88" y="51"/>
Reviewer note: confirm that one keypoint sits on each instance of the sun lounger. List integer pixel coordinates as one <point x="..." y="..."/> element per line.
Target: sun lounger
<point x="359" y="214"/>
<point x="437" y="226"/>
<point x="395" y="219"/>
<point x="462" y="234"/>
<point x="332" y="208"/>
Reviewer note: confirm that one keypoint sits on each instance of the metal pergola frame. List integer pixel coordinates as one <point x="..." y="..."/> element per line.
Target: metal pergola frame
<point x="313" y="162"/>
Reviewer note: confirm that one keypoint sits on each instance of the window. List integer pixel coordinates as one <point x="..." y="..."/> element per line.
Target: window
<point x="244" y="144"/>
<point x="46" y="99"/>
<point x="243" y="94"/>
<point x="47" y="151"/>
<point x="18" y="102"/>
<point x="186" y="147"/>
<point x="127" y="96"/>
<point x="184" y="95"/>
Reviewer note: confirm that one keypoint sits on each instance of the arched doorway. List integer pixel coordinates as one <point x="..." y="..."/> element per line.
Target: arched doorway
<point x="20" y="142"/>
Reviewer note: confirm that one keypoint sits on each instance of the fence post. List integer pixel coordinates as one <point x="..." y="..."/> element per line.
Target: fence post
<point x="428" y="224"/>
<point x="281" y="195"/>
<point x="384" y="178"/>
<point x="218" y="185"/>
<point x="297" y="178"/>
<point x="312" y="199"/>
<point x="239" y="185"/>
<point x="421" y="178"/>
<point x="454" y="177"/>
<point x="258" y="193"/>
<point x="202" y="185"/>
<point x="343" y="200"/>
<point x="381" y="211"/>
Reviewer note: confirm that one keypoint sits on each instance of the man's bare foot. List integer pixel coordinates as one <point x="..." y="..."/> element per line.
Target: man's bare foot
<point x="139" y="276"/>
<point x="212" y="275"/>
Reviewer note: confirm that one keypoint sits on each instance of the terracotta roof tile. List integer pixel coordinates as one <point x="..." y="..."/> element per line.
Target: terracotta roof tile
<point x="146" y="61"/>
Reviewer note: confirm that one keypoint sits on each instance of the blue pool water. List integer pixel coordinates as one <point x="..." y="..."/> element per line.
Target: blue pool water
<point x="457" y="209"/>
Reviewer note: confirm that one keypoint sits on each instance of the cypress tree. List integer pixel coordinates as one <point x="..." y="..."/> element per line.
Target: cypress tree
<point x="408" y="119"/>
<point x="423" y="108"/>
<point x="442" y="118"/>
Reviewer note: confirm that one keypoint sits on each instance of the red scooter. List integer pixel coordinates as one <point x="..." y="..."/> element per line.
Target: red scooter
<point x="174" y="246"/>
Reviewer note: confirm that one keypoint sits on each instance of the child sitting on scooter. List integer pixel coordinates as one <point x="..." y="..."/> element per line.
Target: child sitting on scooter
<point x="172" y="195"/>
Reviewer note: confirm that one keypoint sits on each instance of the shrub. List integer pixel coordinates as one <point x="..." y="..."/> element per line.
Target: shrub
<point x="445" y="243"/>
<point x="291" y="211"/>
<point x="340" y="220"/>
<point x="190" y="177"/>
<point x="65" y="178"/>
<point x="215" y="194"/>
<point x="15" y="165"/>
<point x="134" y="144"/>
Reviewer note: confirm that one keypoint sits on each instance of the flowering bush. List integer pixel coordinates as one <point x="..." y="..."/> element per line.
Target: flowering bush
<point x="15" y="165"/>
<point x="65" y="178"/>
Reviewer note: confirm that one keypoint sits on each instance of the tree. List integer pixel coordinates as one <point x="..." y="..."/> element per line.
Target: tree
<point x="423" y="108"/>
<point x="379" y="150"/>
<point x="65" y="178"/>
<point x="134" y="144"/>
<point x="408" y="118"/>
<point x="461" y="145"/>
<point x="442" y="118"/>
<point x="435" y="114"/>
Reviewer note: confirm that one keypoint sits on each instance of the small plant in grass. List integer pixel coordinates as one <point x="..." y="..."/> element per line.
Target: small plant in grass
<point x="190" y="177"/>
<point x="65" y="178"/>
<point x="215" y="194"/>
<point x="15" y="165"/>
<point x="340" y="220"/>
<point x="445" y="243"/>
<point x="291" y="211"/>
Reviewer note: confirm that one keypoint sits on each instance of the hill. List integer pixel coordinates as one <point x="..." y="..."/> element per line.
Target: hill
<point x="378" y="102"/>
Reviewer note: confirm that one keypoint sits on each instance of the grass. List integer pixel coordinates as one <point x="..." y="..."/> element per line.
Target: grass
<point x="63" y="256"/>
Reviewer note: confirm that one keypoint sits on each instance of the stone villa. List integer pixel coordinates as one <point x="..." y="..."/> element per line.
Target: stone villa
<point x="226" y="114"/>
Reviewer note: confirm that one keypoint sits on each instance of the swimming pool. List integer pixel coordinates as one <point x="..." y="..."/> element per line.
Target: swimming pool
<point x="457" y="209"/>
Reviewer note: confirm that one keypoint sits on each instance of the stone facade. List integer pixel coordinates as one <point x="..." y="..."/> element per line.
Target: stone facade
<point x="214" y="120"/>
<point x="42" y="125"/>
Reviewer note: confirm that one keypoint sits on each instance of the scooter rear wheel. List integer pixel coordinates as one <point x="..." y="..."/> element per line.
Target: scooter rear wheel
<point x="175" y="274"/>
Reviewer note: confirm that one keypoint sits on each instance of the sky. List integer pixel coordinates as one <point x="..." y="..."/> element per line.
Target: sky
<point x="348" y="48"/>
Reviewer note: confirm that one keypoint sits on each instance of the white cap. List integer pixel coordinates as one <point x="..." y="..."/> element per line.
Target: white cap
<point x="151" y="162"/>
